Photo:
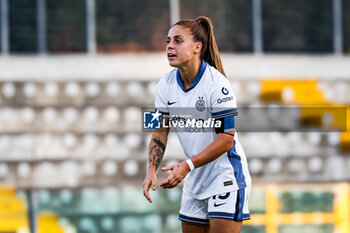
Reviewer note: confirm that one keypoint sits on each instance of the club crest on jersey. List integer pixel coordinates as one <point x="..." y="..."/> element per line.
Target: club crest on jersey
<point x="200" y="104"/>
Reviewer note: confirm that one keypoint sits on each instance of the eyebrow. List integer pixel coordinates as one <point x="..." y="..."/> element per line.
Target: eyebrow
<point x="176" y="36"/>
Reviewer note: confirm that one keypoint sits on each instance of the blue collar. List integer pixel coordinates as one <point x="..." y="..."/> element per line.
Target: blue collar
<point x="196" y="80"/>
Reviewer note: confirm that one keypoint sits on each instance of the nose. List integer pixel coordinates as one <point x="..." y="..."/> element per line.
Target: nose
<point x="170" y="45"/>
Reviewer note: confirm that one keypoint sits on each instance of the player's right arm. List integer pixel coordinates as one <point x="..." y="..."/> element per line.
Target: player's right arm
<point x="155" y="155"/>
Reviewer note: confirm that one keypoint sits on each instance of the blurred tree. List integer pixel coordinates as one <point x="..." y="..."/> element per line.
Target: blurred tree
<point x="22" y="26"/>
<point x="0" y="33"/>
<point x="66" y="29"/>
<point x="297" y="26"/>
<point x="232" y="21"/>
<point x="132" y="25"/>
<point x="346" y="25"/>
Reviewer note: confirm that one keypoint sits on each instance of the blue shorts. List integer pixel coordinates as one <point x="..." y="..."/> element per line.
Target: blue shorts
<point x="232" y="205"/>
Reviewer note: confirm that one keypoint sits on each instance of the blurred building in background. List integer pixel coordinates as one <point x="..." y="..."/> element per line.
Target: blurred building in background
<point x="75" y="75"/>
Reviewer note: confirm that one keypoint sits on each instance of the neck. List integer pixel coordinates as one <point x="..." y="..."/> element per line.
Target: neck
<point x="189" y="71"/>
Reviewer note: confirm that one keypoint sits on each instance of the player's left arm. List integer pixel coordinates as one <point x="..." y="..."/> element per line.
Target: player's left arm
<point x="222" y="144"/>
<point x="218" y="147"/>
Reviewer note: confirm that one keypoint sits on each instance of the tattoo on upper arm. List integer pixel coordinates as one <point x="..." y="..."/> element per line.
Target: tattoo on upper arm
<point x="156" y="153"/>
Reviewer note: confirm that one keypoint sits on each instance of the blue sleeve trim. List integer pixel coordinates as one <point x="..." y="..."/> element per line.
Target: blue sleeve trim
<point x="229" y="112"/>
<point x="193" y="220"/>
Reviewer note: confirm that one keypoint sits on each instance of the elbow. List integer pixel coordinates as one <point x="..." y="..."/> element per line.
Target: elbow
<point x="228" y="145"/>
<point x="227" y="142"/>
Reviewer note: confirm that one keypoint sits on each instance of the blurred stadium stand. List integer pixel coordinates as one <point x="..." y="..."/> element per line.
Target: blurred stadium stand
<point x="75" y="75"/>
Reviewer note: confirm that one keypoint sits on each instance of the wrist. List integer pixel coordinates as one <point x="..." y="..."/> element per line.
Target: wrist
<point x="190" y="164"/>
<point x="151" y="170"/>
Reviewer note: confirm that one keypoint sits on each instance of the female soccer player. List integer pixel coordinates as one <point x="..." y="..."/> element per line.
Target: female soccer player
<point x="217" y="185"/>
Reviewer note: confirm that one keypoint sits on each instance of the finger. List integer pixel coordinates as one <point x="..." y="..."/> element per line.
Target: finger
<point x="165" y="186"/>
<point x="146" y="193"/>
<point x="164" y="183"/>
<point x="173" y="183"/>
<point x="168" y="168"/>
<point x="167" y="180"/>
<point x="168" y="183"/>
<point x="154" y="187"/>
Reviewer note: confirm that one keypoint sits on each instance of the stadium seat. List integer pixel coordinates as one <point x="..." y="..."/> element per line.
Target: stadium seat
<point x="89" y="201"/>
<point x="87" y="224"/>
<point x="8" y="90"/>
<point x="156" y="226"/>
<point x="24" y="170"/>
<point x="291" y="91"/>
<point x="130" y="224"/>
<point x="131" y="119"/>
<point x="92" y="89"/>
<point x="110" y="199"/>
<point x="172" y="223"/>
<point x="345" y="141"/>
<point x="134" y="89"/>
<point x="133" y="200"/>
<point x="29" y="89"/>
<point x="315" y="164"/>
<point x="112" y="89"/>
<point x="110" y="168"/>
<point x="111" y="114"/>
<point x="51" y="89"/>
<point x="70" y="115"/>
<point x="131" y="168"/>
<point x="132" y="140"/>
<point x="151" y="89"/>
<point x="72" y="89"/>
<point x="255" y="165"/>
<point x="108" y="224"/>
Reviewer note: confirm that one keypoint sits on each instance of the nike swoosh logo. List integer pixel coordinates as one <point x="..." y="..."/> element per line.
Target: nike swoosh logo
<point x="170" y="103"/>
<point x="216" y="205"/>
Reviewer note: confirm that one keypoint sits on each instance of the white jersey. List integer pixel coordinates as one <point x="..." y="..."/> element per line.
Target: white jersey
<point x="212" y="91"/>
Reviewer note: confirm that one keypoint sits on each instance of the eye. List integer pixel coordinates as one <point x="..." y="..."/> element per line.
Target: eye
<point x="167" y="41"/>
<point x="178" y="41"/>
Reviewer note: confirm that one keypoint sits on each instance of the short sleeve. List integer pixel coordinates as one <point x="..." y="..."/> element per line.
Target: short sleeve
<point x="161" y="98"/>
<point x="222" y="99"/>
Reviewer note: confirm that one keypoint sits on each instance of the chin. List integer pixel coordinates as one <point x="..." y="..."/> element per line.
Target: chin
<point x="173" y="64"/>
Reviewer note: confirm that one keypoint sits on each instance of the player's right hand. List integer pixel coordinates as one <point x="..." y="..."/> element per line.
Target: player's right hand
<point x="149" y="182"/>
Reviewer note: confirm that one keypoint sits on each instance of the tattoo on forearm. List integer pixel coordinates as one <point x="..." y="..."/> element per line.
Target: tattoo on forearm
<point x="159" y="143"/>
<point x="156" y="153"/>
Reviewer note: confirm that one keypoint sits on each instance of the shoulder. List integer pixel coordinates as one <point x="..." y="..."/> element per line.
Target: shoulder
<point x="167" y="79"/>
<point x="216" y="79"/>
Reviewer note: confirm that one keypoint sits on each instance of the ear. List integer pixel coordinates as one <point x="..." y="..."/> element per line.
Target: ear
<point x="197" y="47"/>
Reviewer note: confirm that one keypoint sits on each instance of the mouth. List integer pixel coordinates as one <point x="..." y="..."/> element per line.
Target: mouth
<point x="171" y="55"/>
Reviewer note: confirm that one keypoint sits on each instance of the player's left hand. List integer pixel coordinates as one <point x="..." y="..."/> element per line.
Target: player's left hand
<point x="178" y="173"/>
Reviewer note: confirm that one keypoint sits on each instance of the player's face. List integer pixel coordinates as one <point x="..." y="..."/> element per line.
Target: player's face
<point x="181" y="49"/>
